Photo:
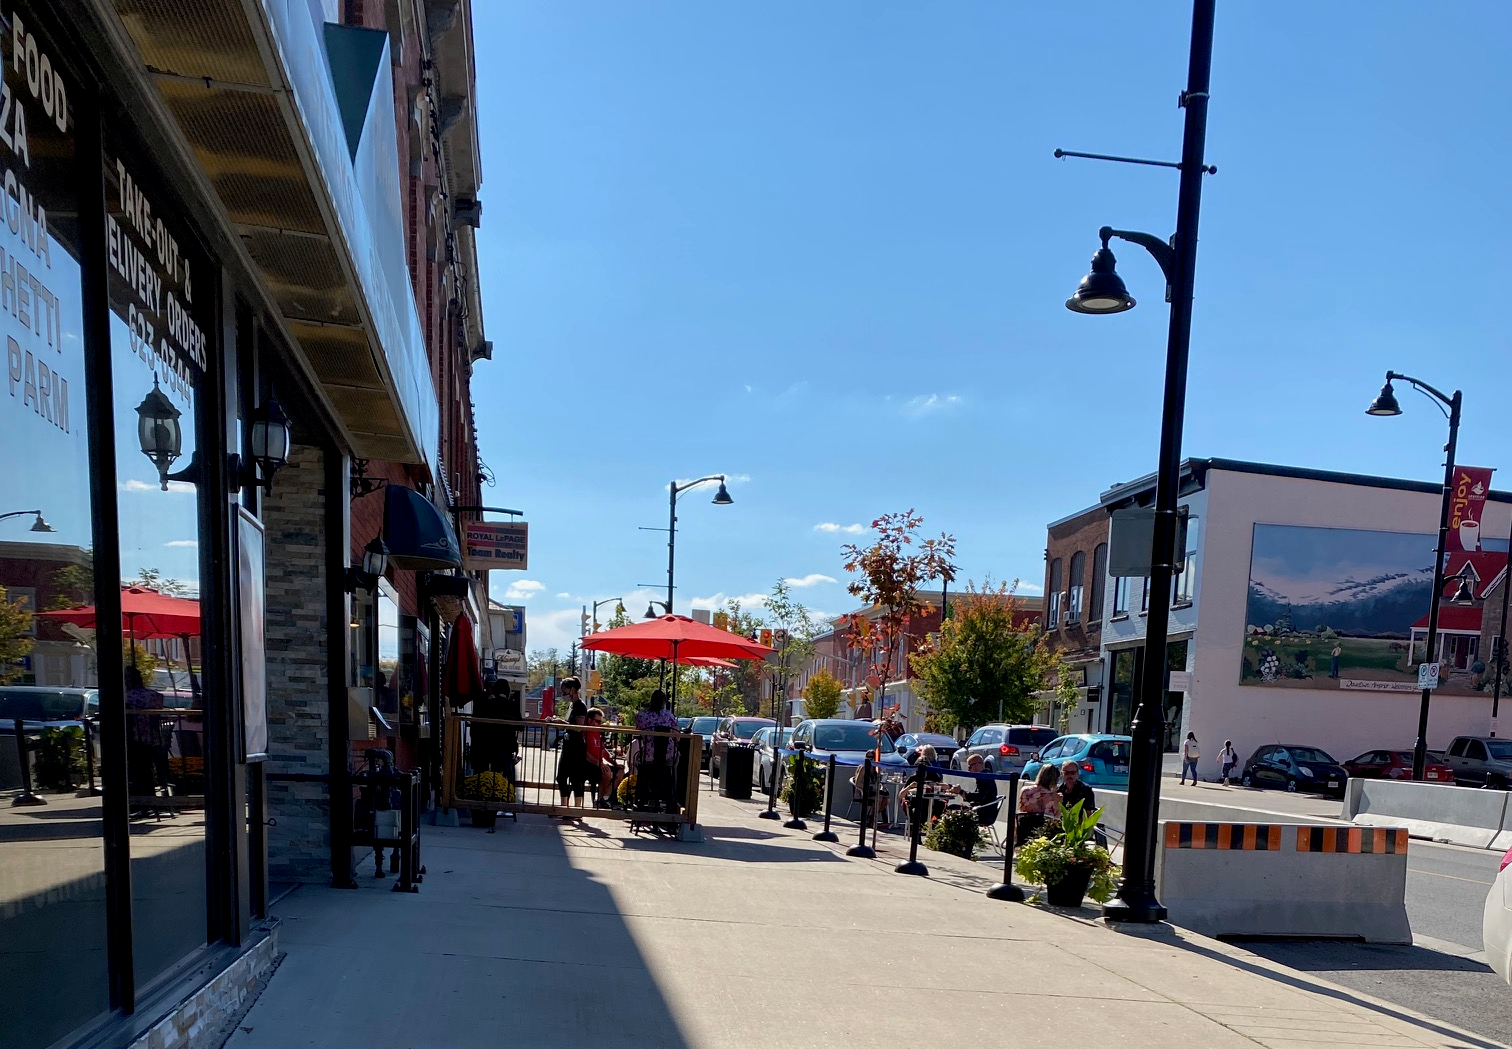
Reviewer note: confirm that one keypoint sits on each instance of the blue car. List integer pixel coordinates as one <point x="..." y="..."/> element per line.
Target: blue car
<point x="1104" y="760"/>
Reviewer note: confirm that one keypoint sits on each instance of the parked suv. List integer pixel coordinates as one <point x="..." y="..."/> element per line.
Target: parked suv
<point x="1479" y="761"/>
<point x="733" y="730"/>
<point x="1004" y="748"/>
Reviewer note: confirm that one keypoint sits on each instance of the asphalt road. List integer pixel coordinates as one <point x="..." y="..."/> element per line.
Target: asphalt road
<point x="1444" y="973"/>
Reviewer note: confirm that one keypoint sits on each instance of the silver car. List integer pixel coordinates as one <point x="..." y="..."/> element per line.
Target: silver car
<point x="1004" y="748"/>
<point x="765" y="759"/>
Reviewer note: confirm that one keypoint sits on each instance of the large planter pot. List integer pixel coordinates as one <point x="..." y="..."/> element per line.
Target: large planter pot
<point x="1069" y="891"/>
<point x="481" y="818"/>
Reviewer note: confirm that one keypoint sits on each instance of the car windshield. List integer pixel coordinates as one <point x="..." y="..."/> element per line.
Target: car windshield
<point x="1033" y="738"/>
<point x="747" y="729"/>
<point x="1501" y="749"/>
<point x="936" y="741"/>
<point x="1309" y="754"/>
<point x="846" y="735"/>
<point x="704" y="726"/>
<point x="1405" y="756"/>
<point x="787" y="737"/>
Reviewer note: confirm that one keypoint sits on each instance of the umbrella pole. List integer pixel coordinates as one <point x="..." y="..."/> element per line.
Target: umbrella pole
<point x="131" y="626"/>
<point x="674" y="678"/>
<point x="194" y="685"/>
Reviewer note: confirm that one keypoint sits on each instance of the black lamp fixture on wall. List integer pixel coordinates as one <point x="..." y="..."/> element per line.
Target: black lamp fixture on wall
<point x="161" y="436"/>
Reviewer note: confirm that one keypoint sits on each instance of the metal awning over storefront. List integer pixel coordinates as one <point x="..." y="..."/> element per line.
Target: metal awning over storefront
<point x="301" y="158"/>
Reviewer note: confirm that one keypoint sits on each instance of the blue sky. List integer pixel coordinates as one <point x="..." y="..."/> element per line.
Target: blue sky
<point x="825" y="248"/>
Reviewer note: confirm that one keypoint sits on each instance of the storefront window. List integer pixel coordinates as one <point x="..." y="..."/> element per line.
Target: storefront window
<point x="1121" y="692"/>
<point x="52" y="859"/>
<point x="388" y="684"/>
<point x="162" y="293"/>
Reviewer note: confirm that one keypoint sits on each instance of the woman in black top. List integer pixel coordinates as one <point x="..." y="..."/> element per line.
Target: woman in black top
<point x="572" y="761"/>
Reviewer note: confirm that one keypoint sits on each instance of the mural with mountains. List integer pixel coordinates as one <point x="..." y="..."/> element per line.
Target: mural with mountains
<point x="1334" y="607"/>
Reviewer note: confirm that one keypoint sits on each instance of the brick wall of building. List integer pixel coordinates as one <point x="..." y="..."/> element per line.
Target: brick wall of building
<point x="1079" y="638"/>
<point x="298" y="665"/>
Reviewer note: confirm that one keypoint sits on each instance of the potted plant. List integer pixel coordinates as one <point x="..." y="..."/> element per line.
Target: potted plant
<point x="804" y="777"/>
<point x="626" y="791"/>
<point x="957" y="832"/>
<point x="490" y="787"/>
<point x="1069" y="863"/>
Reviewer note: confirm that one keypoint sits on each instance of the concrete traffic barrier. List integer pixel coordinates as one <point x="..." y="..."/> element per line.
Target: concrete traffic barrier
<point x="1316" y="881"/>
<point x="1438" y="812"/>
<point x="1115" y="805"/>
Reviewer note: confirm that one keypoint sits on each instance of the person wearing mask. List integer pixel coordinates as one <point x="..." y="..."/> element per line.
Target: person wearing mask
<point x="572" y="760"/>
<point x="1191" y="753"/>
<point x="1228" y="757"/>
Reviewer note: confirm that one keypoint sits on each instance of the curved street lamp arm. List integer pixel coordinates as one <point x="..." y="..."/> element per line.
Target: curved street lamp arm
<point x="19" y="513"/>
<point x="1164" y="254"/>
<point x="679" y="489"/>
<point x="1423" y="387"/>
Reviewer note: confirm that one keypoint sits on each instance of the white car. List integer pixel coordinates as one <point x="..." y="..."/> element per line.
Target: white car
<point x="1497" y="927"/>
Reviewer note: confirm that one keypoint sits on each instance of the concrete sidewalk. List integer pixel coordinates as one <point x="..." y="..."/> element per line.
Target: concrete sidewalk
<point x="545" y="935"/>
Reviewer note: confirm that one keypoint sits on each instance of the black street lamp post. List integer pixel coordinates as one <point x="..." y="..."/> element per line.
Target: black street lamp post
<point x="39" y="525"/>
<point x="1103" y="292"/>
<point x="1386" y="405"/>
<point x="721" y="498"/>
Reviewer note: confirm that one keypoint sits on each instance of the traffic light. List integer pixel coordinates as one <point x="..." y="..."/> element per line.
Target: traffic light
<point x="583" y="632"/>
<point x="766" y="637"/>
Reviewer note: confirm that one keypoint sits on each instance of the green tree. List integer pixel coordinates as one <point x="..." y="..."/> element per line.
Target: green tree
<point x="15" y="637"/>
<point x="821" y="696"/>
<point x="982" y="667"/>
<point x="795" y="629"/>
<point x="889" y="574"/>
<point x="742" y="688"/>
<point x="628" y="682"/>
<point x="153" y="579"/>
<point x="73" y="585"/>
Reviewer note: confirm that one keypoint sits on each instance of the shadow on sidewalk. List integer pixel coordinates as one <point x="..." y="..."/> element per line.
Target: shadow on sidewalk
<point x="506" y="943"/>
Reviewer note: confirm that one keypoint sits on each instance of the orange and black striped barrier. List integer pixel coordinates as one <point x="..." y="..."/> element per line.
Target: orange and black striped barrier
<point x="1246" y="836"/>
<point x="1389" y="841"/>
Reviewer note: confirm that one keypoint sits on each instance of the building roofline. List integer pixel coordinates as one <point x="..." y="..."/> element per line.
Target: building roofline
<point x="1080" y="513"/>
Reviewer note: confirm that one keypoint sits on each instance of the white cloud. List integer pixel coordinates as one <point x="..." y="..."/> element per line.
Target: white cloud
<point x="812" y="579"/>
<point x="564" y="595"/>
<point x="523" y="589"/>
<point x="930" y="404"/>
<point x="133" y="485"/>
<point x="182" y="542"/>
<point x="748" y="602"/>
<point x="1031" y="589"/>
<point x="832" y="528"/>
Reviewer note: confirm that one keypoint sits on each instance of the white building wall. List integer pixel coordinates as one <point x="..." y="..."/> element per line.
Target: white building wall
<point x="1344" y="723"/>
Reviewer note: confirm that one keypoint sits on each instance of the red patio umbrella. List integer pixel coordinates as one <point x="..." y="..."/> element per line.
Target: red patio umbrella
<point x="146" y="614"/>
<point x="677" y="638"/>
<point x="461" y="676"/>
<point x="705" y="661"/>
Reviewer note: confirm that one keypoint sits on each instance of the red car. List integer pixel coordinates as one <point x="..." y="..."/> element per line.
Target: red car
<point x="1397" y="764"/>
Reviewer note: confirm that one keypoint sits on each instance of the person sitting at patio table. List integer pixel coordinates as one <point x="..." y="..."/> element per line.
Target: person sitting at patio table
<point x="655" y="782"/>
<point x="926" y="757"/>
<point x="1038" y="804"/>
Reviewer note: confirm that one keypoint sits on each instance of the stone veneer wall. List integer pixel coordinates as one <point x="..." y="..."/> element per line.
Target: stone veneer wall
<point x="299" y="843"/>
<point x="199" y="1021"/>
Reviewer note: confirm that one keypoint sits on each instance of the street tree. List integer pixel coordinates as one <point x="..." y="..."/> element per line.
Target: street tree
<point x="794" y="630"/>
<point x="821" y="696"/>
<point x="15" y="636"/>
<point x="888" y="575"/>
<point x="740" y="688"/>
<point x="628" y="682"/>
<point x="986" y="663"/>
<point x="153" y="579"/>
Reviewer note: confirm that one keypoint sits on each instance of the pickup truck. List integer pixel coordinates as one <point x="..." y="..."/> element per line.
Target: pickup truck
<point x="1479" y="761"/>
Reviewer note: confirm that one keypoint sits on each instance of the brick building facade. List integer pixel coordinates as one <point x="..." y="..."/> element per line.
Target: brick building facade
<point x="1076" y="563"/>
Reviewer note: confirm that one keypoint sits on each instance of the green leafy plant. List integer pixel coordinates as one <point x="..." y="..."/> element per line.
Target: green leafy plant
<point x="821" y="696"/>
<point x="812" y="773"/>
<point x="956" y="832"/>
<point x="59" y="760"/>
<point x="488" y="786"/>
<point x="1050" y="859"/>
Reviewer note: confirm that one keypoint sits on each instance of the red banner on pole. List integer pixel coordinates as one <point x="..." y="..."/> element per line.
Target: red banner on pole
<point x="1471" y="485"/>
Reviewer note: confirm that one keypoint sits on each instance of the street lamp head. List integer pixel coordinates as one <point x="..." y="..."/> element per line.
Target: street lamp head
<point x="1385" y="403"/>
<point x="1465" y="595"/>
<point x="1102" y="290"/>
<point x="41" y="525"/>
<point x="650" y="611"/>
<point x="722" y="497"/>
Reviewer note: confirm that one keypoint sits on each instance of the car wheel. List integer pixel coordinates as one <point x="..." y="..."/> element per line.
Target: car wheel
<point x="761" y="780"/>
<point x="987" y="766"/>
<point x="1291" y="786"/>
<point x="1248" y="780"/>
<point x="1496" y="782"/>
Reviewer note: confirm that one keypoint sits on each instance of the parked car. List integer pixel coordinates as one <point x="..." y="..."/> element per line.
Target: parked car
<point x="1479" y="761"/>
<point x="1104" y="759"/>
<point x="683" y="723"/>
<point x="733" y="730"/>
<point x="1396" y="764"/>
<point x="1496" y="926"/>
<point x="765" y="759"/>
<point x="1294" y="767"/>
<point x="849" y="741"/>
<point x="907" y="747"/>
<point x="39" y="705"/>
<point x="705" y="727"/>
<point x="1004" y="748"/>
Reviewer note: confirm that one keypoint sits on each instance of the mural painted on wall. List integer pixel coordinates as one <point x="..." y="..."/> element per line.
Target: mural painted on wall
<point x="1348" y="609"/>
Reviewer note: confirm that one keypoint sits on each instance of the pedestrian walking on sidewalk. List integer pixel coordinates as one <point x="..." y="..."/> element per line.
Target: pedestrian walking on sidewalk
<point x="1228" y="757"/>
<point x="1191" y="753"/>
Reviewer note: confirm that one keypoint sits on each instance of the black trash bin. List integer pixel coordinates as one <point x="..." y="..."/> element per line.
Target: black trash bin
<point x="735" y="771"/>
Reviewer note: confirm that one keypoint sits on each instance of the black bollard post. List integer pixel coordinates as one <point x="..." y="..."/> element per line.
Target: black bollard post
<point x="861" y="850"/>
<point x="912" y="865"/>
<point x="829" y="802"/>
<point x="26" y="797"/>
<point x="771" y="809"/>
<point x="1005" y="889"/>
<point x="800" y="775"/>
<point x="89" y="765"/>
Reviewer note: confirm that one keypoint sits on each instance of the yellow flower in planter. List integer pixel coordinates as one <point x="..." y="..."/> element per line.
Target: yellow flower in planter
<point x="488" y="786"/>
<point x="626" y="792"/>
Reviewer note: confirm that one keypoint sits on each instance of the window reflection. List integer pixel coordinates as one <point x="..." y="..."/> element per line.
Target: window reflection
<point x="388" y="686"/>
<point x="52" y="862"/>
<point x="160" y="291"/>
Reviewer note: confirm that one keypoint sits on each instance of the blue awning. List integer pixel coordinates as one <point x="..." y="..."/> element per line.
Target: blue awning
<point x="417" y="533"/>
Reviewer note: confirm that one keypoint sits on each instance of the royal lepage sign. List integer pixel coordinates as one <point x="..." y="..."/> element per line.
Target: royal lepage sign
<point x="489" y="545"/>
